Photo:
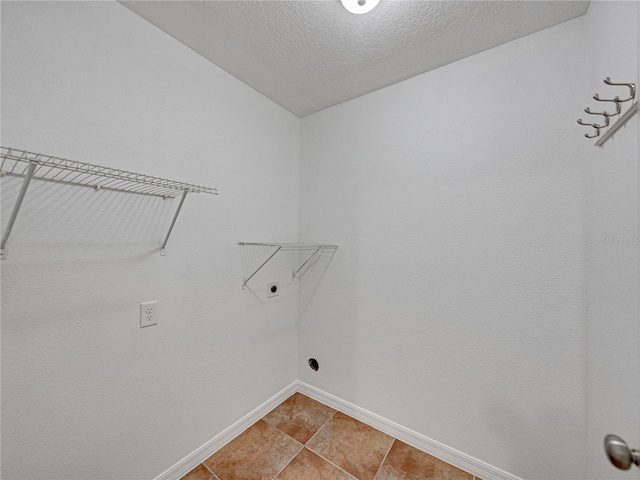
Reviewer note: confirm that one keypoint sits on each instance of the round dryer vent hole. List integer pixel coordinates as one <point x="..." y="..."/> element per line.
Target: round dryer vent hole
<point x="313" y="363"/>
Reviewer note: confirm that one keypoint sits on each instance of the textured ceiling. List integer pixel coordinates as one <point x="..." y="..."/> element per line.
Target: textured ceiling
<point x="307" y="55"/>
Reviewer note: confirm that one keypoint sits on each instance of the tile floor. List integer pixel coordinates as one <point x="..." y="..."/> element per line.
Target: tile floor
<point x="305" y="440"/>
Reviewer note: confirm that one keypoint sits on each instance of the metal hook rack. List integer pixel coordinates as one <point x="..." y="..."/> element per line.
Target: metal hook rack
<point x="29" y="166"/>
<point x="612" y="127"/>
<point x="283" y="247"/>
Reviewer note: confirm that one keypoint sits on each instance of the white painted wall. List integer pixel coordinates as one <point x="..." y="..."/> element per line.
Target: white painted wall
<point x="86" y="394"/>
<point x="614" y="343"/>
<point x="456" y="303"/>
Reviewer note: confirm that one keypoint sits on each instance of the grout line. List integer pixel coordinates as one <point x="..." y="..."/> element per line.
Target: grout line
<point x="384" y="458"/>
<point x="331" y="463"/>
<point x="209" y="470"/>
<point x="312" y="451"/>
<point x="424" y="444"/>
<point x="301" y="445"/>
<point x="276" y="427"/>
<point x="292" y="458"/>
<point x="200" y="454"/>
<point x="323" y="425"/>
<point x="318" y="454"/>
<point x="338" y="466"/>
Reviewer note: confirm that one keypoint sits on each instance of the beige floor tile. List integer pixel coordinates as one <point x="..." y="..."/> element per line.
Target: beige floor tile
<point x="299" y="417"/>
<point x="274" y="446"/>
<point x="353" y="446"/>
<point x="309" y="466"/>
<point x="257" y="454"/>
<point x="199" y="473"/>
<point x="407" y="463"/>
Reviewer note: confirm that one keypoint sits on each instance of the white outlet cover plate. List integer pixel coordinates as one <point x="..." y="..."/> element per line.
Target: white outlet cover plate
<point x="269" y="292"/>
<point x="148" y="314"/>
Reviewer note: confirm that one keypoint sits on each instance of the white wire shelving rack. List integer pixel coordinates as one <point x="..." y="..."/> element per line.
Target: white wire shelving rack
<point x="30" y="166"/>
<point x="317" y="249"/>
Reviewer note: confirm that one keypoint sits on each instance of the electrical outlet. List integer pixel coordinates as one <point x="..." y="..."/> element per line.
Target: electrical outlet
<point x="273" y="289"/>
<point x="148" y="314"/>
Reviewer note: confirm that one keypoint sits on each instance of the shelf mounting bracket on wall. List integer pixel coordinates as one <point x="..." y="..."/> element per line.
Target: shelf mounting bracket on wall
<point x="163" y="252"/>
<point x="16" y="208"/>
<point x="34" y="166"/>
<point x="313" y="255"/>
<point x="279" y="247"/>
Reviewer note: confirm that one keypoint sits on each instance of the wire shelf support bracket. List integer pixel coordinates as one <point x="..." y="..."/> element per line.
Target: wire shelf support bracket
<point x="279" y="247"/>
<point x="29" y="166"/>
<point x="163" y="248"/>
<point x="16" y="209"/>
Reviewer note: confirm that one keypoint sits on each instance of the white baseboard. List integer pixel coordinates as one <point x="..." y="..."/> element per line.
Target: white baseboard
<point x="195" y="458"/>
<point x="447" y="454"/>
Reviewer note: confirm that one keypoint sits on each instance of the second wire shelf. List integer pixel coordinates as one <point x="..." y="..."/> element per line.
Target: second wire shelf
<point x="284" y="247"/>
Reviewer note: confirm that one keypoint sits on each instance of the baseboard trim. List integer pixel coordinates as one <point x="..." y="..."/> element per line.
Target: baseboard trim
<point x="450" y="455"/>
<point x="192" y="460"/>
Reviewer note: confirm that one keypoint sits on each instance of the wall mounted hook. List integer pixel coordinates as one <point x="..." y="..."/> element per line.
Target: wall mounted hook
<point x="594" y="125"/>
<point x="630" y="86"/>
<point x="616" y="100"/>
<point x="604" y="114"/>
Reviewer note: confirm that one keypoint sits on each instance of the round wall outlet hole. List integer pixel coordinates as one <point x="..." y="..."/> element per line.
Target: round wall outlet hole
<point x="313" y="363"/>
<point x="274" y="289"/>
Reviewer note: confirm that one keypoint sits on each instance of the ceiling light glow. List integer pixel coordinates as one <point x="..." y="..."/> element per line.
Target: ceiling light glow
<point x="360" y="6"/>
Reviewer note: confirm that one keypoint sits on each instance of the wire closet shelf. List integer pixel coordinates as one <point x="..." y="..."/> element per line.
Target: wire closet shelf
<point x="30" y="165"/>
<point x="71" y="172"/>
<point x="316" y="248"/>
